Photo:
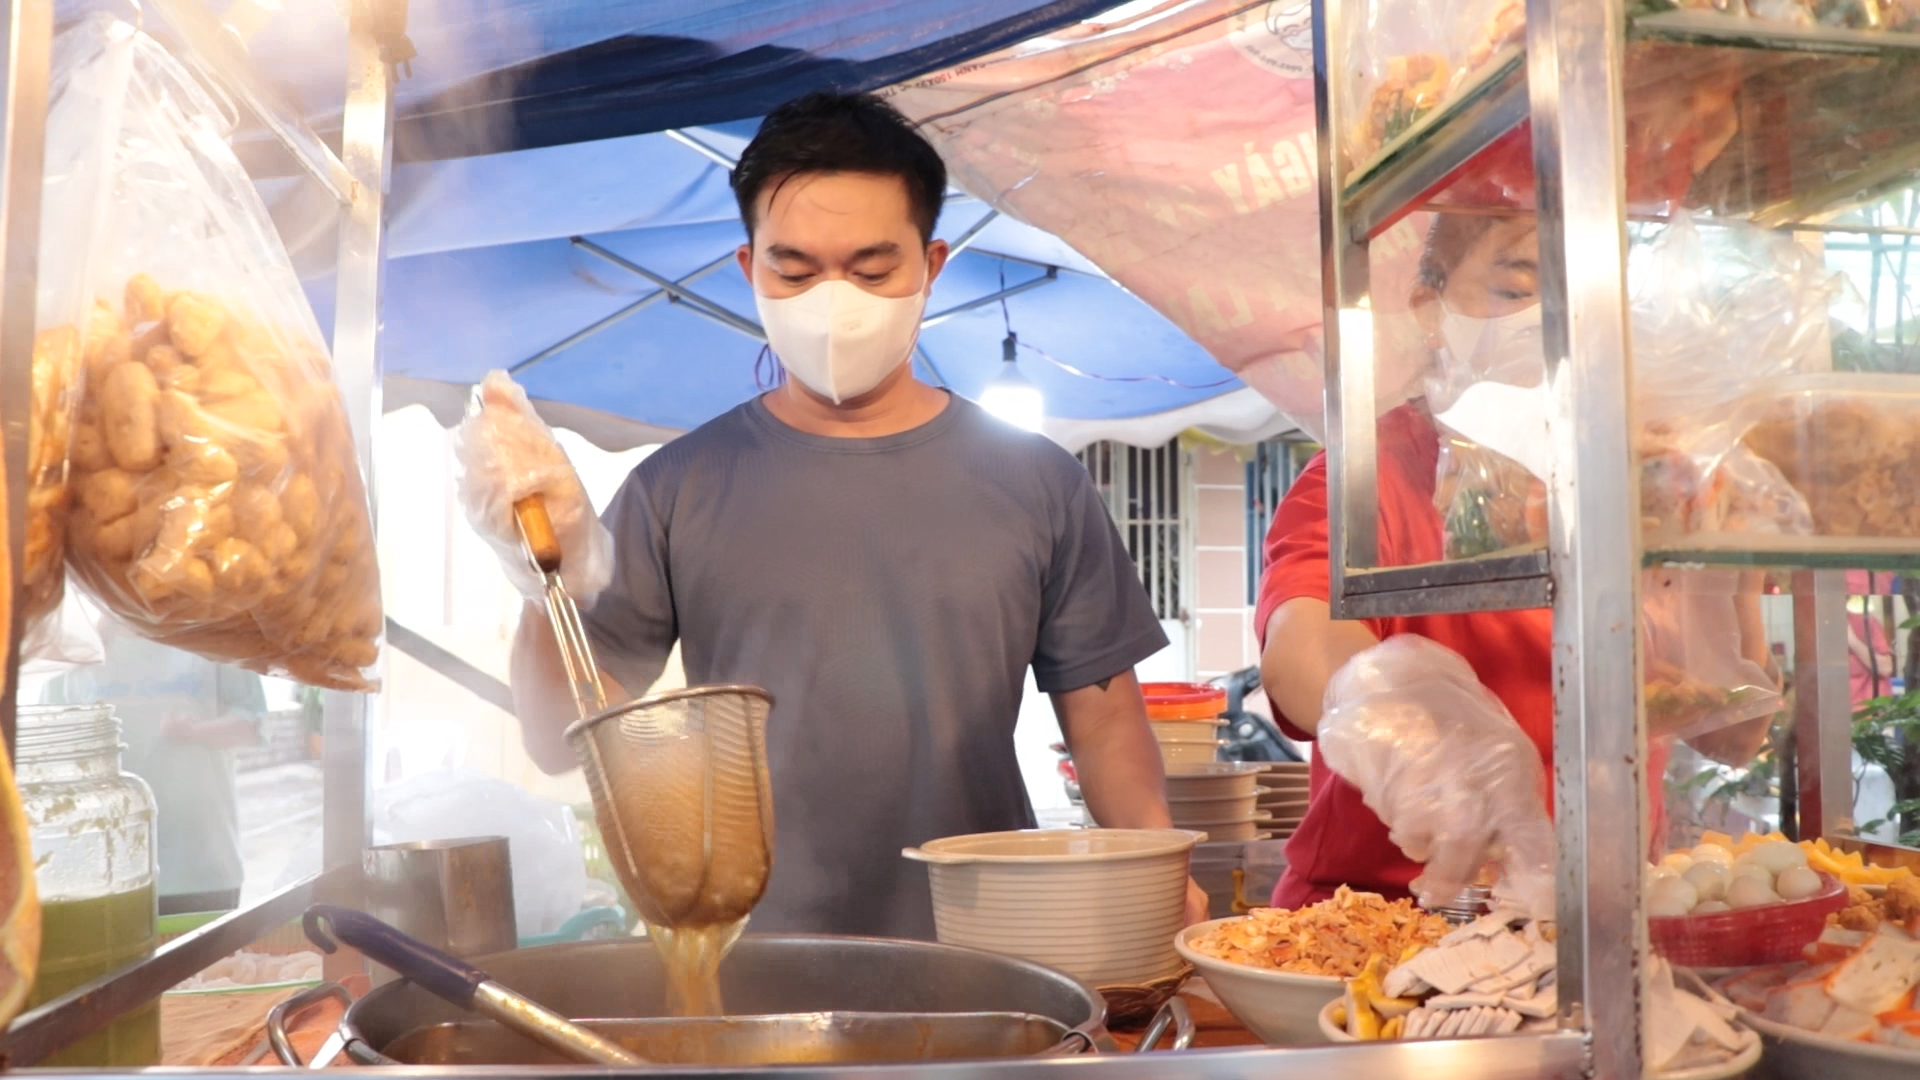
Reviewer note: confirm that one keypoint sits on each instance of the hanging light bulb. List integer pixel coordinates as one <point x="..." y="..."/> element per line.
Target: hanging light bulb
<point x="1012" y="396"/>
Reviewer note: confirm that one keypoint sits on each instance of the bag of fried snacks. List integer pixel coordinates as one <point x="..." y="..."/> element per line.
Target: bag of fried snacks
<point x="218" y="504"/>
<point x="87" y="79"/>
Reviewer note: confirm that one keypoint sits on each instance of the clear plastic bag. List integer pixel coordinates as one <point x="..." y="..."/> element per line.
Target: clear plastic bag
<point x="1488" y="502"/>
<point x="506" y="453"/>
<point x="1437" y="756"/>
<point x="1413" y="55"/>
<point x="1699" y="675"/>
<point x="219" y="505"/>
<point x="1714" y="312"/>
<point x="90" y="64"/>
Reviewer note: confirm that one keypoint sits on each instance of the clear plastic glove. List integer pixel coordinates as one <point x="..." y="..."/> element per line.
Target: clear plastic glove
<point x="506" y="453"/>
<point x="1440" y="760"/>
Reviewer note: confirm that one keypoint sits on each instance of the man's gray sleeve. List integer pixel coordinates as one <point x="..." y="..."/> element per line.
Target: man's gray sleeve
<point x="632" y="623"/>
<point x="1095" y="619"/>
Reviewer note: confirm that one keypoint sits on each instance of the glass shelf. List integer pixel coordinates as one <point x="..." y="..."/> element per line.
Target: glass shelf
<point x="1790" y="553"/>
<point x="1732" y="117"/>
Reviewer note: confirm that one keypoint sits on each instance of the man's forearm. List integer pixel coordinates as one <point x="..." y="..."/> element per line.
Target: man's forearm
<point x="1124" y="782"/>
<point x="1114" y="752"/>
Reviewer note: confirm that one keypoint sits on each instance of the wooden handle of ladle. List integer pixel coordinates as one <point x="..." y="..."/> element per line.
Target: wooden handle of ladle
<point x="536" y="528"/>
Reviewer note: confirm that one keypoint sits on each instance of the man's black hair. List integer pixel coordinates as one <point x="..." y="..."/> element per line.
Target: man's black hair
<point x="831" y="132"/>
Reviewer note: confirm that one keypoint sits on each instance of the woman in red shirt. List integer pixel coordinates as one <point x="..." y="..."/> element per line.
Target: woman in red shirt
<point x="1476" y="288"/>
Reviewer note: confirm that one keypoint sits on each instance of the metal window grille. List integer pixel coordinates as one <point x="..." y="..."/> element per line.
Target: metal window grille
<point x="1276" y="464"/>
<point x="1146" y="491"/>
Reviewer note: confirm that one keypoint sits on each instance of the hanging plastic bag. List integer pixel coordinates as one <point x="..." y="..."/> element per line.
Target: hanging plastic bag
<point x="1437" y="756"/>
<point x="87" y="80"/>
<point x="219" y="505"/>
<point x="1488" y="502"/>
<point x="1699" y="675"/>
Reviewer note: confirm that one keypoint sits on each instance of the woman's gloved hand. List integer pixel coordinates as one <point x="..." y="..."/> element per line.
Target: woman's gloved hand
<point x="1437" y="756"/>
<point x="506" y="453"/>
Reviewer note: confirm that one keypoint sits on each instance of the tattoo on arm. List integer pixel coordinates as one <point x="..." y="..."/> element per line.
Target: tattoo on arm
<point x="1104" y="683"/>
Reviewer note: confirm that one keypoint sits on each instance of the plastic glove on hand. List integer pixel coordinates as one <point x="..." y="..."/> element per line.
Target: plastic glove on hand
<point x="1436" y="755"/>
<point x="506" y="453"/>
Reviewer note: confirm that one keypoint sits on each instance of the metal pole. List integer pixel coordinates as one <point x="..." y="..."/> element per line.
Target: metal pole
<point x="616" y="317"/>
<point x="367" y="153"/>
<point x="687" y="296"/>
<point x="938" y="317"/>
<point x="1575" y="57"/>
<point x="703" y="148"/>
<point x="27" y="39"/>
<point x="217" y="50"/>
<point x="1346" y="328"/>
<point x="1822" y="705"/>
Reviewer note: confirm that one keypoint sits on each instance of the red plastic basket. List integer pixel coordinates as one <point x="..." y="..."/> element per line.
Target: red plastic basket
<point x="1773" y="934"/>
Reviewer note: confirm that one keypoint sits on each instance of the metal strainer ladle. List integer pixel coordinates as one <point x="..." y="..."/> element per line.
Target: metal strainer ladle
<point x="680" y="790"/>
<point x="679" y="780"/>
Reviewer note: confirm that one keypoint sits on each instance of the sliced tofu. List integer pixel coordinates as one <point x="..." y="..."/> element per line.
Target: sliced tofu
<point x="1404" y="982"/>
<point x="1749" y="989"/>
<point x="1446" y="970"/>
<point x="1835" y="944"/>
<point x="1905" y="1036"/>
<point x="1540" y="1006"/>
<point x="1803" y="1004"/>
<point x="1874" y="979"/>
<point x="1852" y="1024"/>
<point x="1668" y="1032"/>
<point x="1708" y="1022"/>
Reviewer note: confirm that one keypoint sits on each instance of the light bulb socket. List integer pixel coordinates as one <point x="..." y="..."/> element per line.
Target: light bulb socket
<point x="1008" y="346"/>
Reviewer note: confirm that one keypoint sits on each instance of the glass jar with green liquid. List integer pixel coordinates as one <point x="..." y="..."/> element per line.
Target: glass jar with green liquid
<point x="93" y="847"/>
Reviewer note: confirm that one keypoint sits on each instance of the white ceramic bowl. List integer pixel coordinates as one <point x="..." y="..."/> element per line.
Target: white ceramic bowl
<point x="1278" y="1006"/>
<point x="1190" y="753"/>
<point x="1229" y="808"/>
<point x="1213" y="780"/>
<point x="1102" y="905"/>
<point x="1186" y="731"/>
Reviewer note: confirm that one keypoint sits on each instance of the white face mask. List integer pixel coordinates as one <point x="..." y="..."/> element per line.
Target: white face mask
<point x="838" y="339"/>
<point x="1505" y="349"/>
<point x="1492" y="384"/>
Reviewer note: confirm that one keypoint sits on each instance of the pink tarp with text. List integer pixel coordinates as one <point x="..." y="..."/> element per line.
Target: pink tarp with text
<point x="1174" y="147"/>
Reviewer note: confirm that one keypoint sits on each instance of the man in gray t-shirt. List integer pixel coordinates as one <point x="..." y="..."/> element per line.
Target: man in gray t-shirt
<point x="883" y="556"/>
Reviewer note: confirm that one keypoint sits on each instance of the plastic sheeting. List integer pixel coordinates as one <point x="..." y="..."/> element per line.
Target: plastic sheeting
<point x="1175" y="148"/>
<point x="498" y="75"/>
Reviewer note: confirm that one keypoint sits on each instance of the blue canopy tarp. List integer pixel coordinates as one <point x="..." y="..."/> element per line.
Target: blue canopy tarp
<point x="529" y="125"/>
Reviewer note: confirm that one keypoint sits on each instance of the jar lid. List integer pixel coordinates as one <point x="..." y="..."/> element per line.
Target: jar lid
<point x="1183" y="701"/>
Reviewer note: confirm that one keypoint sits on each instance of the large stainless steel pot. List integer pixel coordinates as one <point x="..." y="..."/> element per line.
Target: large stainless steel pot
<point x="763" y="976"/>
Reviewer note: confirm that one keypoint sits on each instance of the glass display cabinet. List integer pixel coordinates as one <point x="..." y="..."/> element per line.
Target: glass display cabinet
<point x="1647" y="369"/>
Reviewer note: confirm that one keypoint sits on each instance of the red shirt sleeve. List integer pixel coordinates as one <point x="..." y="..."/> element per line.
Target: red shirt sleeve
<point x="1297" y="560"/>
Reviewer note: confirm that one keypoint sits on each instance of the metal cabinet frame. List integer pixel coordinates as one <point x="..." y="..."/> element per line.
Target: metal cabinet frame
<point x="357" y="178"/>
<point x="1572" y="71"/>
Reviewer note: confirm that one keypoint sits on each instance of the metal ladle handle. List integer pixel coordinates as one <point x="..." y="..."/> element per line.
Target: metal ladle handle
<point x="458" y="982"/>
<point x="570" y="634"/>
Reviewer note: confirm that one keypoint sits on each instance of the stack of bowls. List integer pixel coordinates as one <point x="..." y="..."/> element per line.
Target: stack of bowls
<point x="1186" y="720"/>
<point x="1218" y="798"/>
<point x="1283" y="796"/>
<point x="1102" y="905"/>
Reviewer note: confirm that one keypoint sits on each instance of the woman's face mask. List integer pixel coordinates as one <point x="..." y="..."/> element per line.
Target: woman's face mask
<point x="1506" y="349"/>
<point x="1491" y="385"/>
<point x="838" y="339"/>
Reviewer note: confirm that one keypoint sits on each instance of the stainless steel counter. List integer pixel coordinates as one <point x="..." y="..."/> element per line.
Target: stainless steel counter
<point x="1553" y="1057"/>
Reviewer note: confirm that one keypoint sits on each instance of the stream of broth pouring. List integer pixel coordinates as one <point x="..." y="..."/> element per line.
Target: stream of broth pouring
<point x="692" y="958"/>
